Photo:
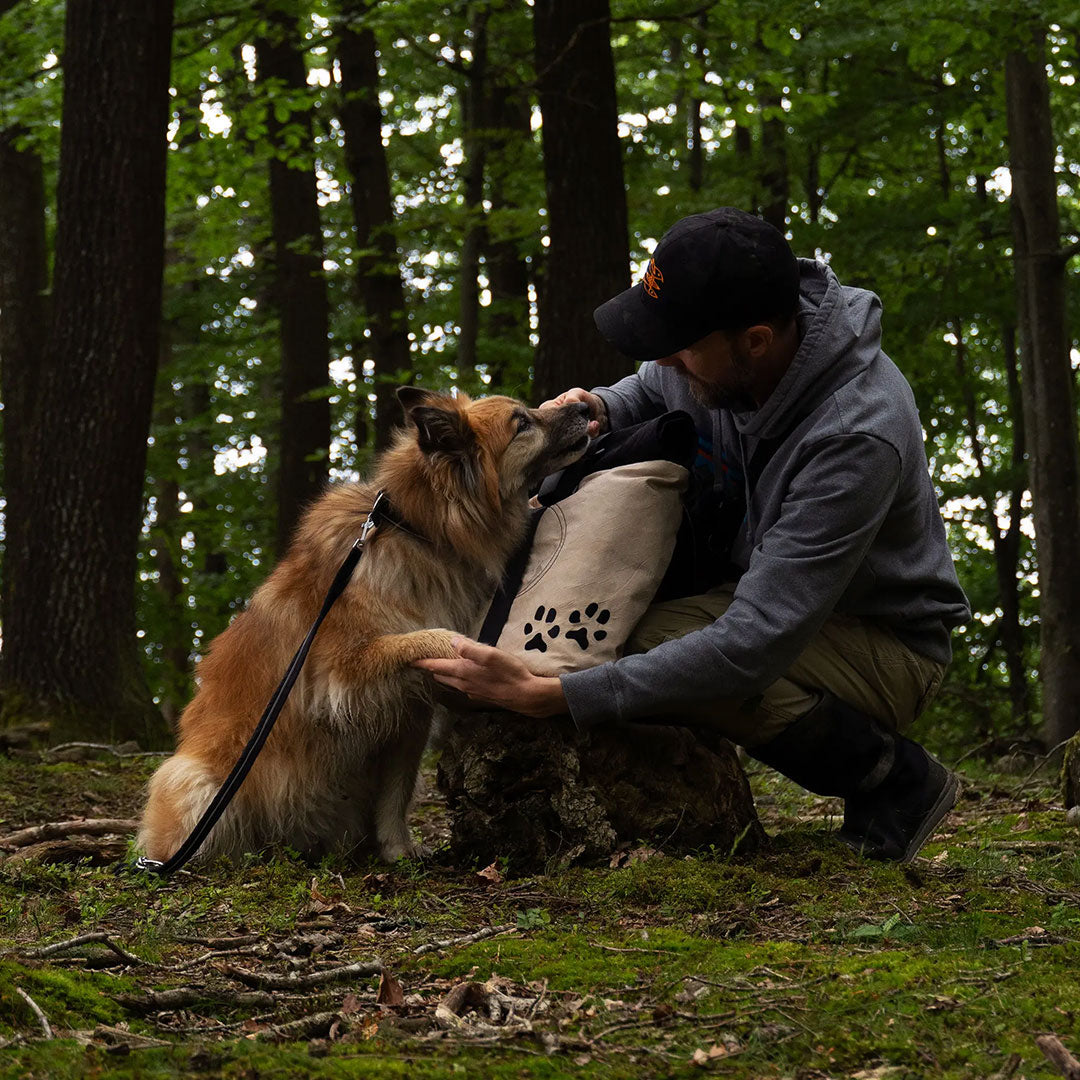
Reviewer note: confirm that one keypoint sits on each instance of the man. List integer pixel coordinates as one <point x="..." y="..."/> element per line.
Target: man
<point x="828" y="629"/>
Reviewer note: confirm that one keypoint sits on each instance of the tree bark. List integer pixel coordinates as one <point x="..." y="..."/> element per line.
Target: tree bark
<point x="1049" y="406"/>
<point x="70" y="648"/>
<point x="507" y="353"/>
<point x="378" y="271"/>
<point x="588" y="257"/>
<point x="23" y="281"/>
<point x="299" y="289"/>
<point x="541" y="796"/>
<point x="476" y="134"/>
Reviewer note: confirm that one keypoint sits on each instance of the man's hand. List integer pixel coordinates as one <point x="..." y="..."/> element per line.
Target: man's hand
<point x="497" y="678"/>
<point x="597" y="409"/>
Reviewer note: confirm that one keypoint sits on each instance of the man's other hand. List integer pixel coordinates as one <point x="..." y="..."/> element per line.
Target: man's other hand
<point x="597" y="409"/>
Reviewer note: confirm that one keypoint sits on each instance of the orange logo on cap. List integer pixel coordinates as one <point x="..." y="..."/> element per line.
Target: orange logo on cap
<point x="653" y="280"/>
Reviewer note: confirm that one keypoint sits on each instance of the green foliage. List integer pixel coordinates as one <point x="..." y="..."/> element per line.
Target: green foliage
<point x="886" y="126"/>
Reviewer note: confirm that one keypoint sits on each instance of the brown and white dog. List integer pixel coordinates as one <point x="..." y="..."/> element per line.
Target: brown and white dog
<point x="339" y="769"/>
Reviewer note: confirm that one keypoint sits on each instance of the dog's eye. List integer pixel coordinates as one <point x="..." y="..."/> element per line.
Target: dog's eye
<point x="524" y="422"/>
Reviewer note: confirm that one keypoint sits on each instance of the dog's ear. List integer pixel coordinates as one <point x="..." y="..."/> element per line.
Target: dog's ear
<point x="441" y="431"/>
<point x="411" y="396"/>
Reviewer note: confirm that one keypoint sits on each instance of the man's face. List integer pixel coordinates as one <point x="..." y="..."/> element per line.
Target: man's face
<point x="719" y="369"/>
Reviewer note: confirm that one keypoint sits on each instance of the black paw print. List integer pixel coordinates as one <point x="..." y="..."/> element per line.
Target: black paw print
<point x="580" y="634"/>
<point x="545" y="617"/>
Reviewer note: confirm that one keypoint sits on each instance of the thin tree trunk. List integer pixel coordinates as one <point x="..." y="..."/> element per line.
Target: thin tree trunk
<point x="378" y="272"/>
<point x="588" y="258"/>
<point x="1005" y="543"/>
<point x="299" y="289"/>
<point x="69" y="642"/>
<point x="1049" y="406"/>
<point x="508" y="353"/>
<point x="23" y="274"/>
<point x="476" y="135"/>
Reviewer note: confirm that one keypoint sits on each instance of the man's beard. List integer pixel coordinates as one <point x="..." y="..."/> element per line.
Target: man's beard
<point x="736" y="399"/>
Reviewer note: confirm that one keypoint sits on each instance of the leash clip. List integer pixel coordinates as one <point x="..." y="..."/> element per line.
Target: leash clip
<point x="372" y="520"/>
<point x="152" y="866"/>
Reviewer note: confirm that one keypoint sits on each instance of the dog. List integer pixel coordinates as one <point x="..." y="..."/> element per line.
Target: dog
<point x="339" y="770"/>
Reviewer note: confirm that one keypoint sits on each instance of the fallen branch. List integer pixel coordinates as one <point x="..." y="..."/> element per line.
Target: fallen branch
<point x="42" y="1019"/>
<point x="69" y="850"/>
<point x="184" y="997"/>
<point x="1055" y="1052"/>
<point x="55" y="830"/>
<point x="98" y="937"/>
<point x="1007" y="1070"/>
<point x="468" y="939"/>
<point x="307" y="1027"/>
<point x="294" y="980"/>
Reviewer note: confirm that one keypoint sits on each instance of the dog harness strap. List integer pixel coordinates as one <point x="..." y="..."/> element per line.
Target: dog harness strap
<point x="228" y="789"/>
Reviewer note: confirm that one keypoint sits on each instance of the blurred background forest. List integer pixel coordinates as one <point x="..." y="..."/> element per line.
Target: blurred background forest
<point x="344" y="195"/>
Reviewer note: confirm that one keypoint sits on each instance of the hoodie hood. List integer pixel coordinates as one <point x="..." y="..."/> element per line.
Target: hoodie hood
<point x="839" y="336"/>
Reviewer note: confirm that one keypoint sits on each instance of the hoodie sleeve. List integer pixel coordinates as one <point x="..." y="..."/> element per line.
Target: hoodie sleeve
<point x="636" y="398"/>
<point x="834" y="507"/>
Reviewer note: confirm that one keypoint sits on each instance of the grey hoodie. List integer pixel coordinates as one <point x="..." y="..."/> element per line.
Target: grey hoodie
<point x="843" y="517"/>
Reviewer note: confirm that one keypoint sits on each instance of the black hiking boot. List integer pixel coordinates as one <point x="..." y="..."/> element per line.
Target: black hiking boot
<point x="895" y="794"/>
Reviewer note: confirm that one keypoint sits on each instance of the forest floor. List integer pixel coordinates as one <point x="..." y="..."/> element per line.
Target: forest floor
<point x="800" y="960"/>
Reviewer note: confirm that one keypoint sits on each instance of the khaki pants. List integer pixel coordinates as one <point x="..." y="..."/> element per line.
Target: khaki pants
<point x="862" y="664"/>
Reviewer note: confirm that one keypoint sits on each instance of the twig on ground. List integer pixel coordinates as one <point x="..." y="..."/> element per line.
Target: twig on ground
<point x="55" y="830"/>
<point x="613" y="948"/>
<point x="183" y="997"/>
<point x="99" y="937"/>
<point x="221" y="942"/>
<point x="35" y="1008"/>
<point x="1058" y="1056"/>
<point x="468" y="939"/>
<point x="1008" y="1069"/>
<point x="1040" y="762"/>
<point x="295" y="979"/>
<point x="307" y="1027"/>
<point x="972" y="752"/>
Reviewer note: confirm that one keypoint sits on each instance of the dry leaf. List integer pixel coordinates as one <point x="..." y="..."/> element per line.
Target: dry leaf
<point x="351" y="1005"/>
<point x="699" y="1057"/>
<point x="490" y="874"/>
<point x="370" y="1027"/>
<point x="390" y="992"/>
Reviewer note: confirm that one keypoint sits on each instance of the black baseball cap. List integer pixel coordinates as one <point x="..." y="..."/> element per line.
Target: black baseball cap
<point x="722" y="270"/>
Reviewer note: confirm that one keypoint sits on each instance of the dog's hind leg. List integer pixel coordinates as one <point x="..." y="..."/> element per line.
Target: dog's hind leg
<point x="395" y="772"/>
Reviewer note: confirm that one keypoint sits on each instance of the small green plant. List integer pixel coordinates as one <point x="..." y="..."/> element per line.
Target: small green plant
<point x="533" y="918"/>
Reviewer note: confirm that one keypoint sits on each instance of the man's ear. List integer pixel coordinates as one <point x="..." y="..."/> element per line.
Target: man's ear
<point x="441" y="431"/>
<point x="757" y="338"/>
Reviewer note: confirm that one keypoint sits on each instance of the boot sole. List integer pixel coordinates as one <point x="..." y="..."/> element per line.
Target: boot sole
<point x="942" y="805"/>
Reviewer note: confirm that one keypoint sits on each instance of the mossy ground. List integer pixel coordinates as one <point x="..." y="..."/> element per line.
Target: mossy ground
<point x="800" y="960"/>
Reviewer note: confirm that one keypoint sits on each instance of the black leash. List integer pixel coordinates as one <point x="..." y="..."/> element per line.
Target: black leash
<point x="381" y="511"/>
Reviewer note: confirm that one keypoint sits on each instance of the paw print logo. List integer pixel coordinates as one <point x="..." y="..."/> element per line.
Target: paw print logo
<point x="582" y="631"/>
<point x="545" y="624"/>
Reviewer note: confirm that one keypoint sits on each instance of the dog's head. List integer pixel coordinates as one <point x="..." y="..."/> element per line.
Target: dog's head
<point x="493" y="446"/>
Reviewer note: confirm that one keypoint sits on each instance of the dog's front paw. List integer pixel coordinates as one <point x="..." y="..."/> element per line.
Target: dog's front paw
<point x="436" y="644"/>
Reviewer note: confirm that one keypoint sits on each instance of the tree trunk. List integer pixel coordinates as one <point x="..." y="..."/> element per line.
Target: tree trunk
<point x="475" y="128"/>
<point x="588" y="258"/>
<point x="378" y="273"/>
<point x="69" y="640"/>
<point x="541" y="796"/>
<point x="507" y="353"/>
<point x="23" y="281"/>
<point x="1049" y="406"/>
<point x="299" y="288"/>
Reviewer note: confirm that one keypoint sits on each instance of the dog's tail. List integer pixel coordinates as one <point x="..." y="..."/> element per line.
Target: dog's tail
<point x="178" y="794"/>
